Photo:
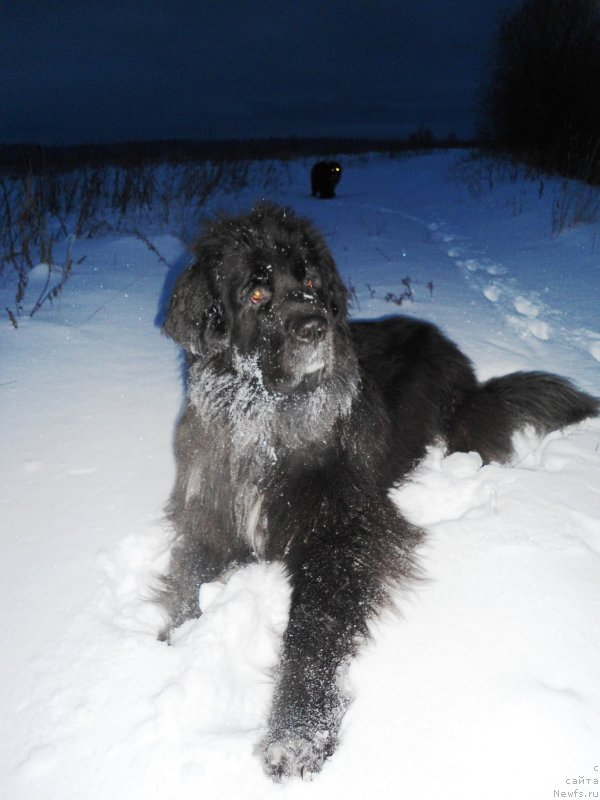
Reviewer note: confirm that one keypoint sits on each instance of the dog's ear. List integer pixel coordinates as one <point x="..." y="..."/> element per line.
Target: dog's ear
<point x="195" y="317"/>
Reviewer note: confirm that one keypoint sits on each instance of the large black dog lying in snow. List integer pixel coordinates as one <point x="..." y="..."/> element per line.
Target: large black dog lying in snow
<point x="297" y="424"/>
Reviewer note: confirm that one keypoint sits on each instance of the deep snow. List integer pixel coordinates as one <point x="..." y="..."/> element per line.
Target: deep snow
<point x="484" y="686"/>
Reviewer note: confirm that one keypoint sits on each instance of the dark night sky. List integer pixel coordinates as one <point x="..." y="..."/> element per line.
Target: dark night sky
<point x="98" y="71"/>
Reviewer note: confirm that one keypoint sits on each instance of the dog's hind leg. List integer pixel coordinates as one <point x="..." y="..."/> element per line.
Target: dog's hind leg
<point x="487" y="418"/>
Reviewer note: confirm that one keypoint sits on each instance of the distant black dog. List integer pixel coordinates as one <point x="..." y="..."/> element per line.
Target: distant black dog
<point x="296" y="426"/>
<point x="324" y="177"/>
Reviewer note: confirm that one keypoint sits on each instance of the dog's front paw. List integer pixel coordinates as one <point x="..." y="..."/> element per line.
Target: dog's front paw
<point x="295" y="754"/>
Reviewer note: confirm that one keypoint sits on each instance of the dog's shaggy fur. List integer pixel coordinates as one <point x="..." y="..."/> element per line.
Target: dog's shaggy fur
<point x="296" y="426"/>
<point x="324" y="177"/>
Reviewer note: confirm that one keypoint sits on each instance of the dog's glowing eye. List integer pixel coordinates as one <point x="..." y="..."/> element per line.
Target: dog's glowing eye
<point x="258" y="295"/>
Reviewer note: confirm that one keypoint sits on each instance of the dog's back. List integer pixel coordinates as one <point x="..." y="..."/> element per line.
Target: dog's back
<point x="424" y="377"/>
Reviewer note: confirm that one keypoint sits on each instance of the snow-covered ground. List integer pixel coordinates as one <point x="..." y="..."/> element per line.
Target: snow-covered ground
<point x="485" y="686"/>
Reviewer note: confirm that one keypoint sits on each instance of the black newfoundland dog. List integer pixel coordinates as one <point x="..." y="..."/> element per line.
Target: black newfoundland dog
<point x="297" y="424"/>
<point x="324" y="177"/>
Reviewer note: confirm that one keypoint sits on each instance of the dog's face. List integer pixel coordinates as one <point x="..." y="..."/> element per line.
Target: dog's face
<point x="282" y="318"/>
<point x="335" y="172"/>
<point x="264" y="293"/>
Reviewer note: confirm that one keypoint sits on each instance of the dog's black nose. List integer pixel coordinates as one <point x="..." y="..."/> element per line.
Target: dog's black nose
<point x="310" y="329"/>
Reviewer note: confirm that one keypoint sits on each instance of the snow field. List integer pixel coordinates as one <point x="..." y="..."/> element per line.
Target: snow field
<point x="484" y="684"/>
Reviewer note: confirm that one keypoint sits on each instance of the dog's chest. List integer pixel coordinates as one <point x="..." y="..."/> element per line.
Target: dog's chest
<point x="247" y="512"/>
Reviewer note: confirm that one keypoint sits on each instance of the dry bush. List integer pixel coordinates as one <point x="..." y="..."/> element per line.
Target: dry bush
<point x="39" y="209"/>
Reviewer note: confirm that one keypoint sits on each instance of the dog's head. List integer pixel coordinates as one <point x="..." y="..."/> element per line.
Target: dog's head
<point x="335" y="172"/>
<point x="263" y="292"/>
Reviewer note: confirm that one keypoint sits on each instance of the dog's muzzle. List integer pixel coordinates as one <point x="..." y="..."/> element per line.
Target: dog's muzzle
<point x="309" y="330"/>
<point x="300" y="356"/>
<point x="311" y="347"/>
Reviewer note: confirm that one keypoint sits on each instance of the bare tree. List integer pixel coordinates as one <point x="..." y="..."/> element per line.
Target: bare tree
<point x="544" y="99"/>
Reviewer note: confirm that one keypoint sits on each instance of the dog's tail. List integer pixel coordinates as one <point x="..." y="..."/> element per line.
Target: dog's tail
<point x="486" y="420"/>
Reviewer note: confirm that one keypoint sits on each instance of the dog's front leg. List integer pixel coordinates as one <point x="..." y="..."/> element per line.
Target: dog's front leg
<point x="340" y="572"/>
